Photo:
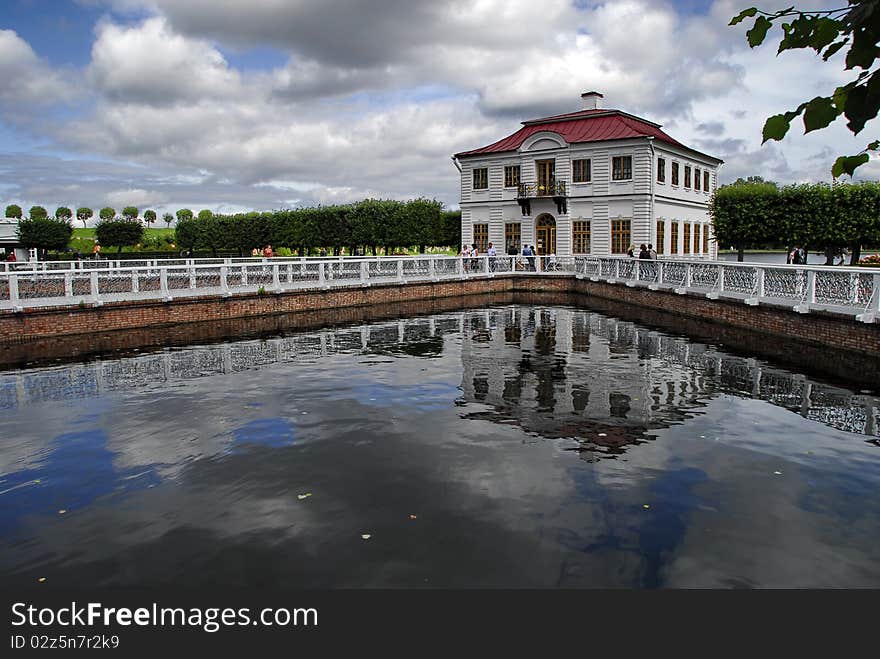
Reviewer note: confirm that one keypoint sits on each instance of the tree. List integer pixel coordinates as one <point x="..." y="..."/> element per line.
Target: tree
<point x="749" y="180"/>
<point x="84" y="214"/>
<point x="107" y="213"/>
<point x="13" y="210"/>
<point x="37" y="213"/>
<point x="44" y="233"/>
<point x="63" y="213"/>
<point x="130" y="213"/>
<point x="149" y="217"/>
<point x="205" y="215"/>
<point x="168" y="218"/>
<point x="184" y="214"/>
<point x="855" y="27"/>
<point x="119" y="232"/>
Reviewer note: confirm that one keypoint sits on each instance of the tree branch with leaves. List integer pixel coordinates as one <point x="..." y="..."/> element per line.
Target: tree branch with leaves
<point x="855" y="28"/>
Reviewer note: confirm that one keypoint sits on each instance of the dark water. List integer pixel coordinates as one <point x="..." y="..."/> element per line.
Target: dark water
<point x="525" y="445"/>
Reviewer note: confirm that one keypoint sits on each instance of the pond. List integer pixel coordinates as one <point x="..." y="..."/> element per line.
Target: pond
<point x="532" y="445"/>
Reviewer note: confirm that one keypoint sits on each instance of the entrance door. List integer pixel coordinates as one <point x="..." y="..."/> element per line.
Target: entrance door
<point x="545" y="235"/>
<point x="546" y="176"/>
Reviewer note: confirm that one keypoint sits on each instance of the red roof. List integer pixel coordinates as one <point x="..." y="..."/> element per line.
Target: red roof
<point x="583" y="126"/>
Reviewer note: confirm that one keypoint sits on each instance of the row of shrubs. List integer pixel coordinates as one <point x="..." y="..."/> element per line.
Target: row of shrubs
<point x="812" y="216"/>
<point x="369" y="224"/>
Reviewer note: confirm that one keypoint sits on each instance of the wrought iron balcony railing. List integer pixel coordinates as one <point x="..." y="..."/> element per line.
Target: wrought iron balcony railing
<point x="532" y="190"/>
<point x="557" y="190"/>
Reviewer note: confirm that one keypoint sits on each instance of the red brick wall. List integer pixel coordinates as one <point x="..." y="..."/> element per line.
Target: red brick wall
<point x="816" y="329"/>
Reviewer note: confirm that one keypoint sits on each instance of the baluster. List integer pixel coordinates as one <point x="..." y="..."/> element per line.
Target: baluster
<point x="163" y="283"/>
<point x="13" y="290"/>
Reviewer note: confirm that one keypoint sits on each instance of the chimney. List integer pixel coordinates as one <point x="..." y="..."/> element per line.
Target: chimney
<point x="591" y="100"/>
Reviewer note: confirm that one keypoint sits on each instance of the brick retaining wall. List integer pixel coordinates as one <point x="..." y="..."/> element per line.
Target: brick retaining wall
<point x="818" y="329"/>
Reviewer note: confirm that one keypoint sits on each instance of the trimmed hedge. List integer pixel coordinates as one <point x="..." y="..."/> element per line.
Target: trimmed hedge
<point x="369" y="225"/>
<point x="814" y="216"/>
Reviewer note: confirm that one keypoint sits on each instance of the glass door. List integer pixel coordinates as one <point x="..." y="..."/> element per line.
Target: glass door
<point x="546" y="176"/>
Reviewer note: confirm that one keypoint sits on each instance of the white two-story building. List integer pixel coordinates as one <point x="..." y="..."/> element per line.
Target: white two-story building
<point x="594" y="181"/>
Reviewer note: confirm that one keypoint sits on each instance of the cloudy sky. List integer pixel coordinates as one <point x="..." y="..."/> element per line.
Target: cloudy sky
<point x="261" y="104"/>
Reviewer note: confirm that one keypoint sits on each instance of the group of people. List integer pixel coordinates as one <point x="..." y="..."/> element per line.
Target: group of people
<point x="473" y="253"/>
<point x="266" y="252"/>
<point x="646" y="252"/>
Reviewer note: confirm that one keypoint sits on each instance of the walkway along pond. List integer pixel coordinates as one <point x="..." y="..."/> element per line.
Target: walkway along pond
<point x="837" y="307"/>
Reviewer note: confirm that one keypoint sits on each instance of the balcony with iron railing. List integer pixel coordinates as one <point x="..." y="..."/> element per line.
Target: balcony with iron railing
<point x="556" y="190"/>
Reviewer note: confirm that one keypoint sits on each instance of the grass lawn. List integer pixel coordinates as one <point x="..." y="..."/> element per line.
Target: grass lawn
<point x="89" y="234"/>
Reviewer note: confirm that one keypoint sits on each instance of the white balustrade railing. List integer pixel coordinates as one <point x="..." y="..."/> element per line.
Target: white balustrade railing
<point x="802" y="288"/>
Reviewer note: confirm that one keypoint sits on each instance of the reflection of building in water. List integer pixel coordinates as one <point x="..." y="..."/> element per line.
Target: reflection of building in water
<point x="556" y="371"/>
<point x="571" y="373"/>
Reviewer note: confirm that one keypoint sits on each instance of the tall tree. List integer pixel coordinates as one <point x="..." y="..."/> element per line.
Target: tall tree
<point x="13" y="210"/>
<point x="168" y="218"/>
<point x="855" y="28"/>
<point x="149" y="217"/>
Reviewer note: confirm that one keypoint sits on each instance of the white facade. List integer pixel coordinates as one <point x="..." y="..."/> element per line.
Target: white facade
<point x="9" y="239"/>
<point x="655" y="211"/>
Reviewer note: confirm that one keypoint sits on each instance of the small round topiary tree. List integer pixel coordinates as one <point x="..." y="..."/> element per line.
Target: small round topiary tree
<point x="107" y="213"/>
<point x="37" y="213"/>
<point x="130" y="213"/>
<point x="63" y="213"/>
<point x="84" y="214"/>
<point x="13" y="210"/>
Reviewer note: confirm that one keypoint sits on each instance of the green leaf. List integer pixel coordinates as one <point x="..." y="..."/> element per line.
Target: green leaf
<point x="873" y="146"/>
<point x="777" y="126"/>
<point x="825" y="30"/>
<point x="833" y="48"/>
<point x="848" y="164"/>
<point x="758" y="32"/>
<point x="744" y="14"/>
<point x="819" y="113"/>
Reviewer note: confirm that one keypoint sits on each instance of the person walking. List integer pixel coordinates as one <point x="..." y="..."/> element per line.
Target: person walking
<point x="492" y="253"/>
<point x="530" y="257"/>
<point x="652" y="252"/>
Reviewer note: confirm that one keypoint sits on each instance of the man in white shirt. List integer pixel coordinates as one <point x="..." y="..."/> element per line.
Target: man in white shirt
<point x="491" y="253"/>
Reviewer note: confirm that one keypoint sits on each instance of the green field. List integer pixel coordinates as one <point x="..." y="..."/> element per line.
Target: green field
<point x="155" y="240"/>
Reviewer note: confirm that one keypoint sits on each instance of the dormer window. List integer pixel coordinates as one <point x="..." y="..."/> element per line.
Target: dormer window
<point x="621" y="168"/>
<point x="481" y="178"/>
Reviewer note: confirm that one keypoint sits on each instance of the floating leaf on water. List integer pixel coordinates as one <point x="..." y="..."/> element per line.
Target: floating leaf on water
<point x="366" y="536"/>
<point x="646" y="506"/>
<point x="303" y="496"/>
<point x="62" y="511"/>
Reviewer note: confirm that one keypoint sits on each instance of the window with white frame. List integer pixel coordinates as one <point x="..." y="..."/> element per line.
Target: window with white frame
<point x="621" y="168"/>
